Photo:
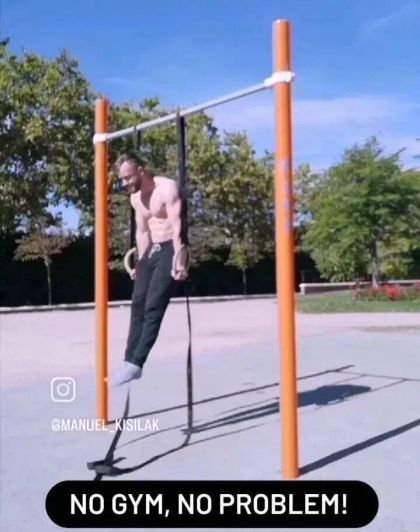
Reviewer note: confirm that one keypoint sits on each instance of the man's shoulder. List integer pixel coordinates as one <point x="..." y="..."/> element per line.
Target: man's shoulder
<point x="168" y="185"/>
<point x="165" y="181"/>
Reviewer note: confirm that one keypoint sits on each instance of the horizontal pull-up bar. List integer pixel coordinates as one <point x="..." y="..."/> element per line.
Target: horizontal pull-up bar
<point x="277" y="77"/>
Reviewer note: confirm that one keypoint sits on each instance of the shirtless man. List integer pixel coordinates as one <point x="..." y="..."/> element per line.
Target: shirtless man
<point x="161" y="258"/>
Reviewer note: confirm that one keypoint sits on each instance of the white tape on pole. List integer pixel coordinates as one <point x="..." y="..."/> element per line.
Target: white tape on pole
<point x="100" y="137"/>
<point x="279" y="77"/>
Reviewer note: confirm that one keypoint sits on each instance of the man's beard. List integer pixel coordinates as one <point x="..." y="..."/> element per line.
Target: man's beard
<point x="132" y="189"/>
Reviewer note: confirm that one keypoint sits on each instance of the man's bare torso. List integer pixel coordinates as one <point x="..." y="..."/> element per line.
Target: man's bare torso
<point x="151" y="210"/>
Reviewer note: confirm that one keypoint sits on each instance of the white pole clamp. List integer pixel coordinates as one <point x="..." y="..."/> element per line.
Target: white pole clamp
<point x="282" y="76"/>
<point x="100" y="137"/>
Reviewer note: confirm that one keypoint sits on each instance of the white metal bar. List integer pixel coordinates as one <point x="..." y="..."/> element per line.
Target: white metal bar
<point x="277" y="77"/>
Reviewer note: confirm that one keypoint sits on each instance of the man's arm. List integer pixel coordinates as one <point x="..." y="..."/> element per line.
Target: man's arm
<point x="173" y="209"/>
<point x="143" y="238"/>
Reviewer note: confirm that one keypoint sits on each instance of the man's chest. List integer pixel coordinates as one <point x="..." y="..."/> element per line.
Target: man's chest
<point x="153" y="205"/>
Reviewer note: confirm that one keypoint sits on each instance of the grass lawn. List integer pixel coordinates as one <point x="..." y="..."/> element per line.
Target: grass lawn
<point x="345" y="302"/>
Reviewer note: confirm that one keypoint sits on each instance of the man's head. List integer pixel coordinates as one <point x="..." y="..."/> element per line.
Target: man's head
<point x="132" y="171"/>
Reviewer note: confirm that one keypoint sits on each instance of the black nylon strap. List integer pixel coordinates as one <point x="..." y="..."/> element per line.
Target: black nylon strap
<point x="182" y="185"/>
<point x="136" y="138"/>
<point x="190" y="401"/>
<point x="182" y="175"/>
<point x="106" y="466"/>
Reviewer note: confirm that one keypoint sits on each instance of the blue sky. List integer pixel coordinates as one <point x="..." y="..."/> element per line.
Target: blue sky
<point x="356" y="62"/>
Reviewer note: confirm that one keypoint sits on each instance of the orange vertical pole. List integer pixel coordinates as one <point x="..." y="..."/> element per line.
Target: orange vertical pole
<point x="101" y="261"/>
<point x="285" y="267"/>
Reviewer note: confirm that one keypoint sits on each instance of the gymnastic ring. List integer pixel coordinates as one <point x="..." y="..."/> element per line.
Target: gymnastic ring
<point x="175" y="259"/>
<point x="128" y="269"/>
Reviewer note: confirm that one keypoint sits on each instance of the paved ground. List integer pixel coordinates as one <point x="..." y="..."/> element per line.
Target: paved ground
<point x="359" y="390"/>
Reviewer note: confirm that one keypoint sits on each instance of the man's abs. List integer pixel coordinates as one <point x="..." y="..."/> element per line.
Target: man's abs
<point x="160" y="229"/>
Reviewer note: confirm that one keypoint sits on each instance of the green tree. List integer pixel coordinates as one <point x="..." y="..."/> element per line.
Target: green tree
<point x="401" y="257"/>
<point x="46" y="129"/>
<point x="305" y="185"/>
<point x="40" y="243"/>
<point x="205" y="166"/>
<point x="243" y="203"/>
<point x="359" y="210"/>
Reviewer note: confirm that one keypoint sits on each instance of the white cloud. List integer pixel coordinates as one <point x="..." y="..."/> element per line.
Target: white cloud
<point x="123" y="82"/>
<point x="406" y="14"/>
<point x="242" y="116"/>
<point x="410" y="144"/>
<point x="117" y="80"/>
<point x="350" y="110"/>
<point x="314" y="113"/>
<point x="324" y="128"/>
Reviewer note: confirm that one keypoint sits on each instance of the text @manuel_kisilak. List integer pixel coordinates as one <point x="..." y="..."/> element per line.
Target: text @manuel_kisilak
<point x="215" y="504"/>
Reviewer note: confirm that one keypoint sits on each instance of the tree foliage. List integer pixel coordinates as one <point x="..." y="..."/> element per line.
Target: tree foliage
<point x="46" y="128"/>
<point x="242" y="202"/>
<point x="41" y="242"/>
<point x="364" y="216"/>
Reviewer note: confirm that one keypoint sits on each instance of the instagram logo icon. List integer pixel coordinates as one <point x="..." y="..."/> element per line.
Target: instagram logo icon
<point x="63" y="389"/>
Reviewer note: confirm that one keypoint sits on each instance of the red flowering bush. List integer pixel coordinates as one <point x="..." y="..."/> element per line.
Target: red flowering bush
<point x="388" y="292"/>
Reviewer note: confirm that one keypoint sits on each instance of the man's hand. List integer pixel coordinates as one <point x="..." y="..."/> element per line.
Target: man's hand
<point x="180" y="264"/>
<point x="180" y="275"/>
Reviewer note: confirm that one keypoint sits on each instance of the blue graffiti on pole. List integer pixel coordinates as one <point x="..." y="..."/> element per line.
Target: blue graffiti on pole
<point x="285" y="167"/>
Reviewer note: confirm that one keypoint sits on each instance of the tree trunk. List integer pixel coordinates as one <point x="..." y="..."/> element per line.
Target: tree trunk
<point x="376" y="269"/>
<point x="48" y="266"/>
<point x="244" y="282"/>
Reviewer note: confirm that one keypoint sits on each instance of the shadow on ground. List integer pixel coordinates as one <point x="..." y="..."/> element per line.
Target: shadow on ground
<point x="322" y="396"/>
<point x="339" y="455"/>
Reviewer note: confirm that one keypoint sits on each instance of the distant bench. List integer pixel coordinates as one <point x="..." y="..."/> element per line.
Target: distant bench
<point x="314" y="288"/>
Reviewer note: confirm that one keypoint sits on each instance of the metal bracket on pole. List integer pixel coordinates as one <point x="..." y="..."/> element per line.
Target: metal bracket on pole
<point x="100" y="137"/>
<point x="284" y="76"/>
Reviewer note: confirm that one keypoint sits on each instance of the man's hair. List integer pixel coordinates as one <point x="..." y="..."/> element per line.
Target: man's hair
<point x="136" y="160"/>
